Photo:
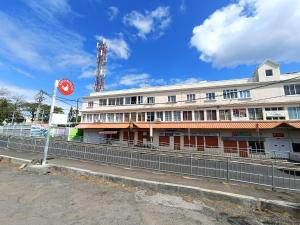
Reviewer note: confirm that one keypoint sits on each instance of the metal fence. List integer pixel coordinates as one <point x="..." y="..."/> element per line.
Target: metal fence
<point x="274" y="174"/>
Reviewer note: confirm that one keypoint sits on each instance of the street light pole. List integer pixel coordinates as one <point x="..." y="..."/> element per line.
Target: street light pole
<point x="49" y="123"/>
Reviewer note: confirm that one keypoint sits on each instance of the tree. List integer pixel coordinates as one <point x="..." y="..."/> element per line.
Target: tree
<point x="45" y="109"/>
<point x="31" y="108"/>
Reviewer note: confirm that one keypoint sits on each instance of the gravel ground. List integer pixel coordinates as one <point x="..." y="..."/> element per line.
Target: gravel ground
<point x="37" y="199"/>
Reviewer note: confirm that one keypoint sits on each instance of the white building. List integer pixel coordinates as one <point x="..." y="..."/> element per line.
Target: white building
<point x="257" y="115"/>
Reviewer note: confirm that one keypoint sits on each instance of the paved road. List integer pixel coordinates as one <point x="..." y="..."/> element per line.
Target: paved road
<point x="28" y="198"/>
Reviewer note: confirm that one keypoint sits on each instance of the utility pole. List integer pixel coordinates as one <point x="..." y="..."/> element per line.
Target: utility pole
<point x="49" y="123"/>
<point x="39" y="99"/>
<point x="77" y="110"/>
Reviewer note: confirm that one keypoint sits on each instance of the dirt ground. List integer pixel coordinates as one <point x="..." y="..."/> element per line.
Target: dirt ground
<point x="29" y="198"/>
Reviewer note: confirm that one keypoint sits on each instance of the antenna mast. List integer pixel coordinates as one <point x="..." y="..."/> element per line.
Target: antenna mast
<point x="101" y="64"/>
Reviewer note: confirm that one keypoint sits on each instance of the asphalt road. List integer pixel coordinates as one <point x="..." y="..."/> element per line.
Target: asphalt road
<point x="29" y="198"/>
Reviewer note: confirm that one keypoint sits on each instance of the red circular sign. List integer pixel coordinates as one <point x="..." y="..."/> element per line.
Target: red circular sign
<point x="66" y="87"/>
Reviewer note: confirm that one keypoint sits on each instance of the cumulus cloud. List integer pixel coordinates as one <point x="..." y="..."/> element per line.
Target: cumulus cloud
<point x="26" y="93"/>
<point x="249" y="31"/>
<point x="151" y="22"/>
<point x="112" y="13"/>
<point x="118" y="47"/>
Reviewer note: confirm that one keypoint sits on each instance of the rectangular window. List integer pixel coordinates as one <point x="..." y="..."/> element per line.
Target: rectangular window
<point x="96" y="118"/>
<point x="177" y="115"/>
<point x="269" y="73"/>
<point x="126" y="117"/>
<point x="140" y="100"/>
<point x="119" y="117"/>
<point x="133" y="100"/>
<point x="187" y="116"/>
<point x="133" y="116"/>
<point x="292" y="89"/>
<point x="102" y="101"/>
<point x="172" y="99"/>
<point x="245" y="94"/>
<point x="210" y="96"/>
<point x="275" y="113"/>
<point x="103" y="117"/>
<point x="90" y="104"/>
<point x="256" y="147"/>
<point x="225" y="114"/>
<point x="110" y="117"/>
<point x="255" y="114"/>
<point x="230" y="94"/>
<point x="191" y="97"/>
<point x="168" y="116"/>
<point x="160" y="116"/>
<point x="119" y="101"/>
<point x="294" y="113"/>
<point x="211" y="114"/>
<point x="199" y="115"/>
<point x="128" y="100"/>
<point x="150" y="100"/>
<point x="239" y="113"/>
<point x="111" y="101"/>
<point x="89" y="118"/>
<point x="150" y="116"/>
<point x="141" y="117"/>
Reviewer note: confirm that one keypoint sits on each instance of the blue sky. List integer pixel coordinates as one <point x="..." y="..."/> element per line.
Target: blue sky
<point x="154" y="42"/>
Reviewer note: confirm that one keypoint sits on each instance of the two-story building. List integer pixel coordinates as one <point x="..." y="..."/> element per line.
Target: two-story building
<point x="256" y="115"/>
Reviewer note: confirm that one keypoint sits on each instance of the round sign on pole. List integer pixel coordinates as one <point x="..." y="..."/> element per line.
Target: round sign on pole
<point x="65" y="87"/>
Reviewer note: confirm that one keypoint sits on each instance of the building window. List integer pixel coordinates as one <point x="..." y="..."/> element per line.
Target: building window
<point x="294" y="113"/>
<point x="292" y="89"/>
<point x="141" y="117"/>
<point x="90" y="104"/>
<point x="210" y="96"/>
<point x="177" y="115"/>
<point x="110" y="117"/>
<point x="239" y="113"/>
<point x="225" y="114"/>
<point x="133" y="116"/>
<point x="96" y="118"/>
<point x="83" y="118"/>
<point x="255" y="114"/>
<point x="211" y="114"/>
<point x="127" y="100"/>
<point x="102" y="101"/>
<point x="187" y="116"/>
<point x="230" y="94"/>
<point x="119" y="101"/>
<point x="199" y="115"/>
<point x="89" y="118"/>
<point x="126" y="117"/>
<point x="150" y="100"/>
<point x="269" y="73"/>
<point x="275" y="113"/>
<point x="140" y="100"/>
<point x="172" y="99"/>
<point x="111" y="101"/>
<point x="245" y="94"/>
<point x="150" y="116"/>
<point x="256" y="147"/>
<point x="168" y="116"/>
<point x="191" y="97"/>
<point x="119" y="117"/>
<point x="160" y="116"/>
<point x="103" y="117"/>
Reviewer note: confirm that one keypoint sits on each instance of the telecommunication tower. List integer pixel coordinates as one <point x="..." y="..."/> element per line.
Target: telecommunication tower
<point x="101" y="64"/>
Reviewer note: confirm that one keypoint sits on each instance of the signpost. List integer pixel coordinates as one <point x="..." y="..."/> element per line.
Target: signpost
<point x="65" y="87"/>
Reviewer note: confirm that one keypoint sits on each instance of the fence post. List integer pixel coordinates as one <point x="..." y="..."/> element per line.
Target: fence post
<point x="7" y="144"/>
<point x="191" y="164"/>
<point x="273" y="185"/>
<point x="227" y="169"/>
<point x="131" y="149"/>
<point x="159" y="160"/>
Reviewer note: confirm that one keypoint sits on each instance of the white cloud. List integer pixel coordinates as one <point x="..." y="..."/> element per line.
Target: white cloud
<point x="249" y="31"/>
<point x="135" y="79"/>
<point x="26" y="93"/>
<point x="182" y="7"/>
<point x="87" y="74"/>
<point x="154" y="22"/>
<point x="117" y="47"/>
<point x="40" y="41"/>
<point x="188" y="80"/>
<point x="112" y="13"/>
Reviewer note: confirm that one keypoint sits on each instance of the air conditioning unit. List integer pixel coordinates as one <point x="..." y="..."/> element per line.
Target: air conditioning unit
<point x="158" y="120"/>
